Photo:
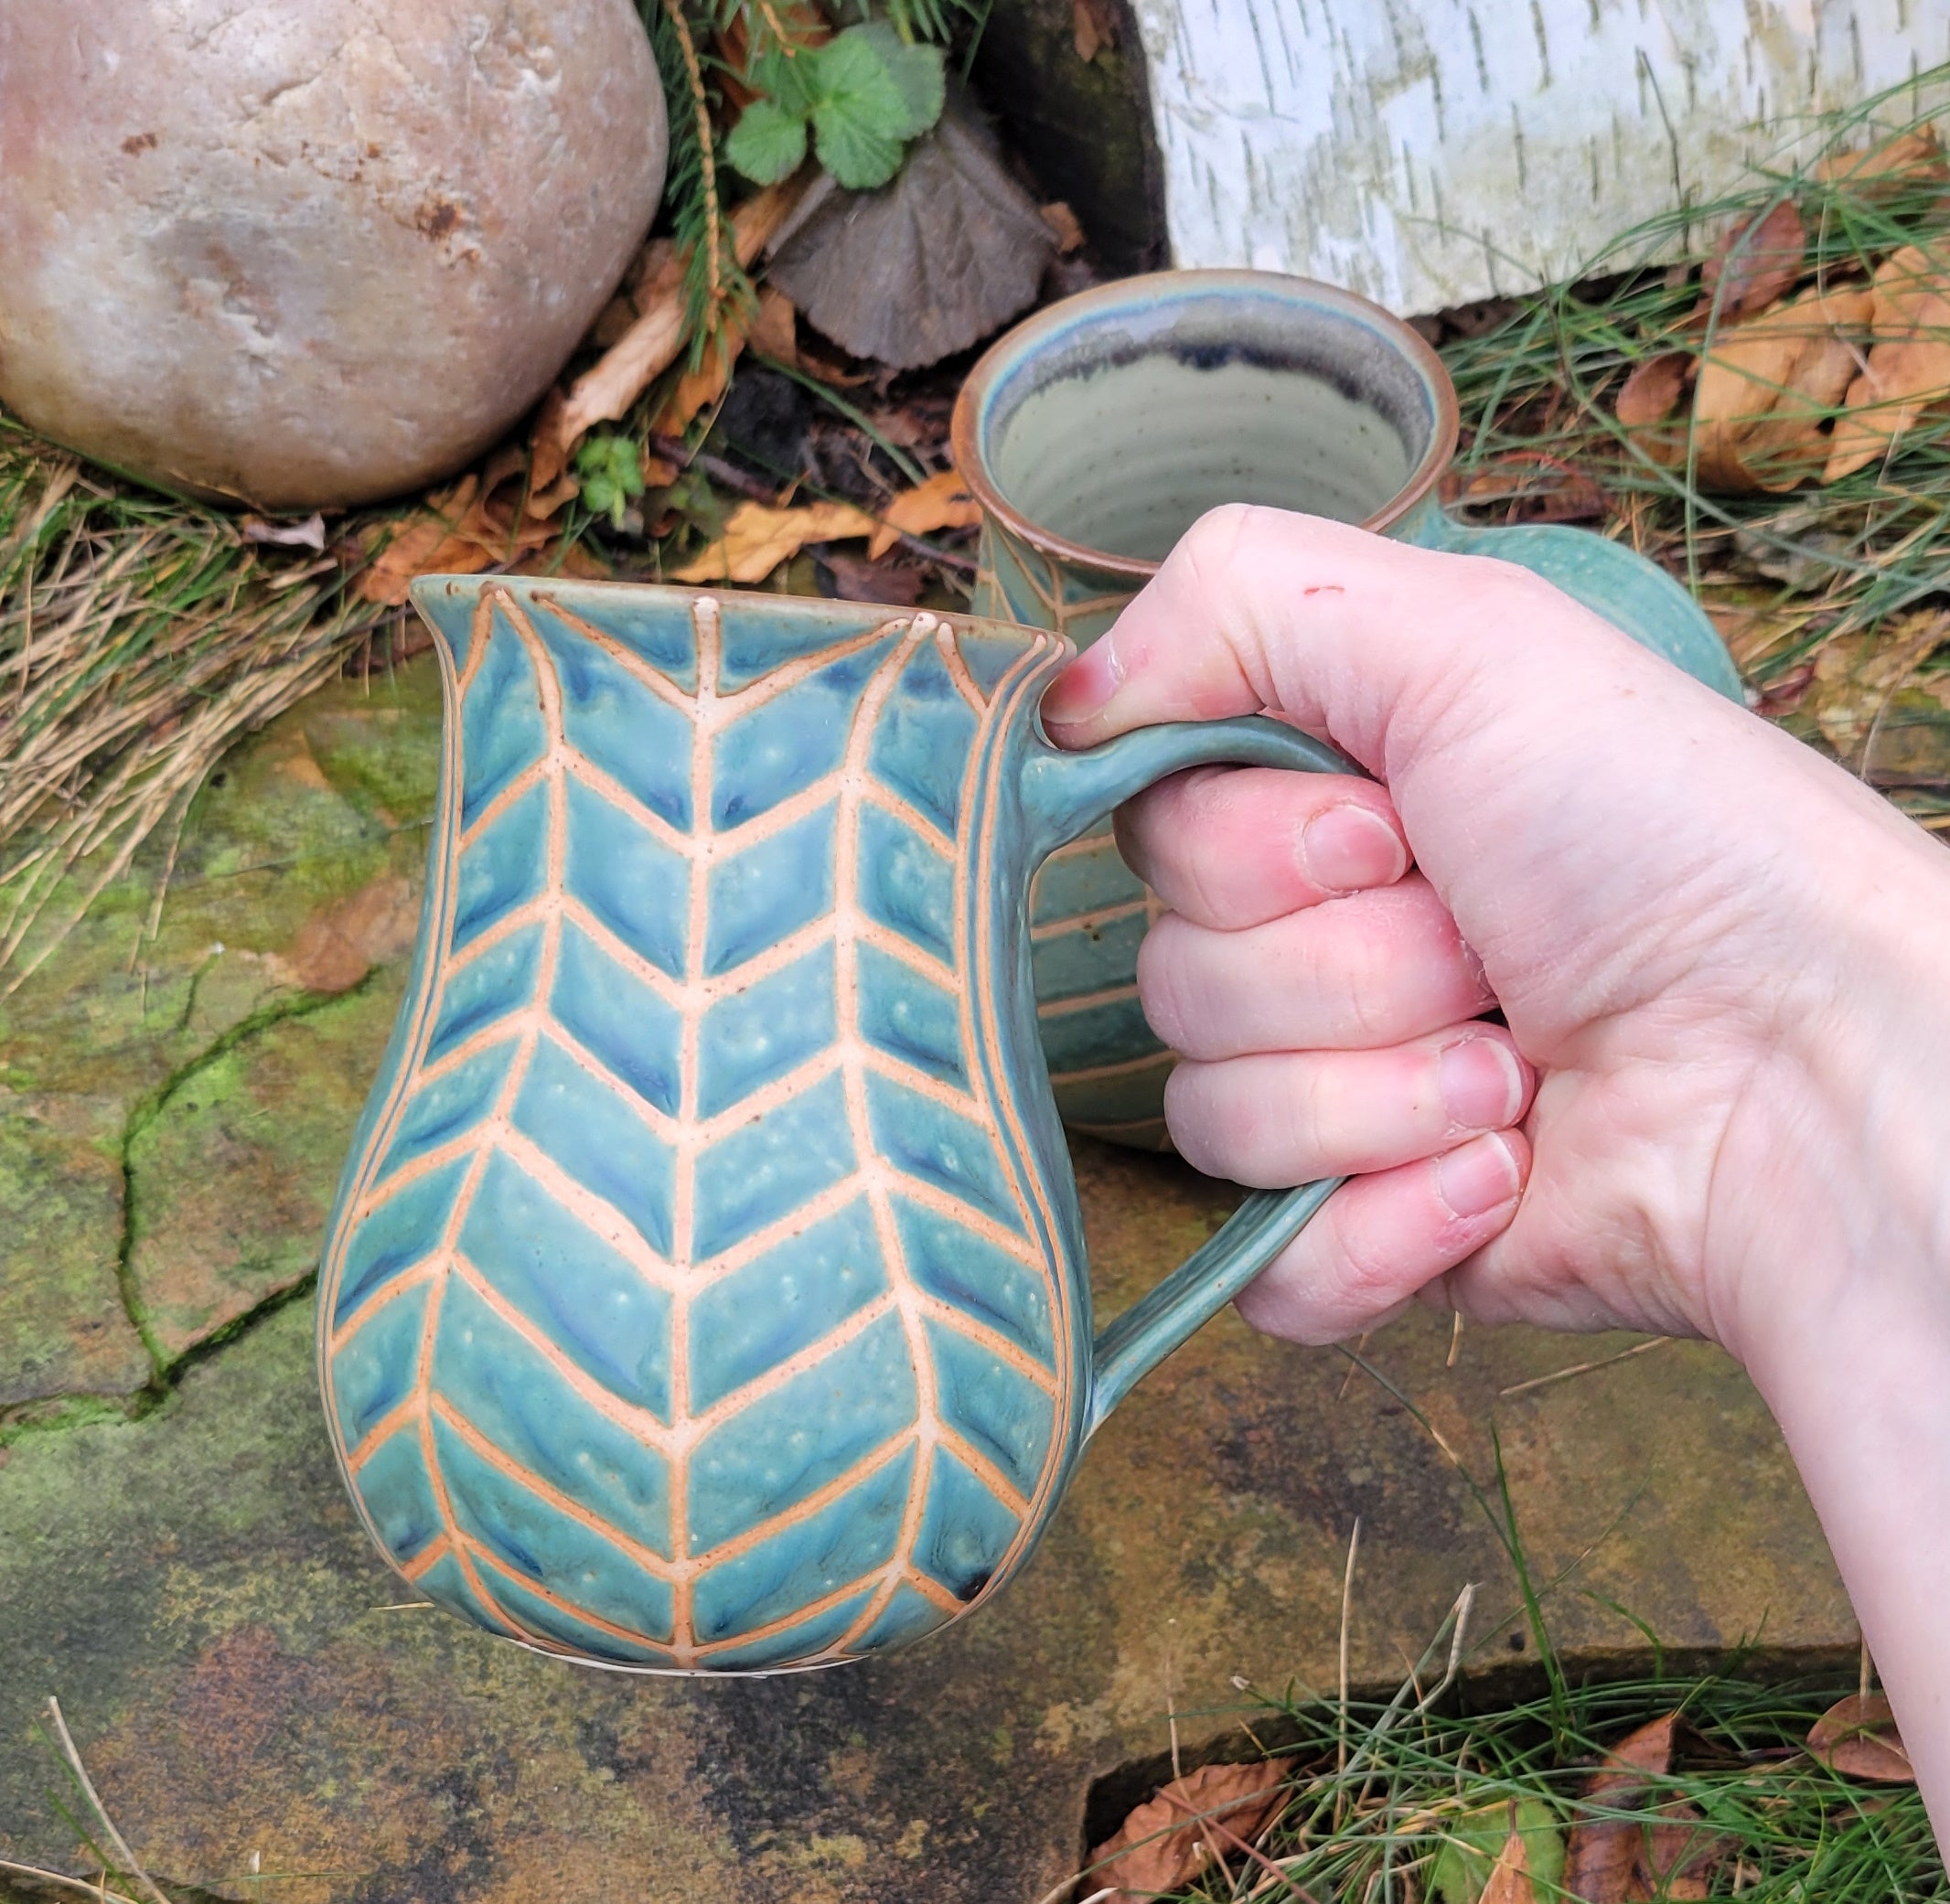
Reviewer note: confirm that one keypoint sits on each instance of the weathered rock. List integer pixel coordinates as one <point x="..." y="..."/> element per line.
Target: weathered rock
<point x="303" y="255"/>
<point x="63" y="1329"/>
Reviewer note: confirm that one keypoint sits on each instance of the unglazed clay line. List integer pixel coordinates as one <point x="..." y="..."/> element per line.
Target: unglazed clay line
<point x="767" y="1096"/>
<point x="848" y="919"/>
<point x="467" y="1543"/>
<point x="943" y="1202"/>
<point x="931" y="1589"/>
<point x="626" y="658"/>
<point x="606" y="786"/>
<point x="671" y="990"/>
<point x="1124" y="1068"/>
<point x="423" y="1272"/>
<point x="510" y="1469"/>
<point x="510" y="922"/>
<point x="958" y="671"/>
<point x="631" y="1416"/>
<point x="899" y="946"/>
<point x="878" y="794"/>
<point x="742" y="835"/>
<point x="401" y="1415"/>
<point x="660" y="1123"/>
<point x="786" y="1621"/>
<point x="828" y="1202"/>
<point x="805" y="1507"/>
<point x="1088" y="922"/>
<point x="966" y="931"/>
<point x="789" y="674"/>
<point x="992" y="1340"/>
<point x="708" y="635"/>
<point x="1026" y="677"/>
<point x="491" y="1129"/>
<point x="923" y="1084"/>
<point x="1061" y="1008"/>
<point x="789" y="1370"/>
<point x="518" y="788"/>
<point x="594" y="1212"/>
<point x="480" y="632"/>
<point x="985" y="1471"/>
<point x="503" y="1031"/>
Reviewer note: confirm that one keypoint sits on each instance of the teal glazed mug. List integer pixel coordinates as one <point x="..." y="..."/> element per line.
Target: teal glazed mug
<point x="706" y="1288"/>
<point x="1096" y="432"/>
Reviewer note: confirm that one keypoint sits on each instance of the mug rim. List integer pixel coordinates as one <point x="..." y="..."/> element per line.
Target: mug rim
<point x="1014" y="345"/>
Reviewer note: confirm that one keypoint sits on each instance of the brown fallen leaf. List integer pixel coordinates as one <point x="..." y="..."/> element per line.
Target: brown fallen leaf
<point x="1066" y="224"/>
<point x="1766" y="387"/>
<point x="460" y="534"/>
<point x="1653" y="391"/>
<point x="1858" y="1736"/>
<point x="1678" y="1853"/>
<point x="1602" y="1859"/>
<point x="1754" y="264"/>
<point x="1093" y="27"/>
<point x="757" y="539"/>
<point x="1163" y="1844"/>
<point x="649" y="345"/>
<point x="1509" y="1879"/>
<point x="855" y="579"/>
<point x="1908" y="369"/>
<point x="698" y="388"/>
<point x="1889" y="170"/>
<point x="941" y="502"/>
<point x="775" y="328"/>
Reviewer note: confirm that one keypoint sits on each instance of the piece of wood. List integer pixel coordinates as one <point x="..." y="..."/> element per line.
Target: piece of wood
<point x="1432" y="153"/>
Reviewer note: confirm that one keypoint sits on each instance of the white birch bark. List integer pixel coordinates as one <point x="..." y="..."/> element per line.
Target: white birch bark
<point x="1431" y="152"/>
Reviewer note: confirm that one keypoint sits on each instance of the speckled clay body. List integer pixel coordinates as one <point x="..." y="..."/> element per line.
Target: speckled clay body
<point x="1096" y="431"/>
<point x="706" y="1288"/>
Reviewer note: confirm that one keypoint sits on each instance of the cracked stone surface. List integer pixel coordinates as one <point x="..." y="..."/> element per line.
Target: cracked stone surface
<point x="179" y="1565"/>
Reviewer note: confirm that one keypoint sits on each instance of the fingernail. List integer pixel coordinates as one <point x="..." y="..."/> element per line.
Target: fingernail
<point x="1085" y="687"/>
<point x="1482" y="1083"/>
<point x="1478" y="1177"/>
<point x="1346" y="848"/>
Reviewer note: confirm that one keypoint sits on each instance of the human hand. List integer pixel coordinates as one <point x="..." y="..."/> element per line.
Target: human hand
<point x="1704" y="939"/>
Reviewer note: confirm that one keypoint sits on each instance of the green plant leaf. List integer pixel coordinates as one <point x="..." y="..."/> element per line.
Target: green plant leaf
<point x="871" y="94"/>
<point x="612" y="473"/>
<point x="767" y="144"/>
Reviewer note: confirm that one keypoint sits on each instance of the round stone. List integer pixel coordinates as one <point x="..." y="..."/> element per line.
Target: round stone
<point x="318" y="254"/>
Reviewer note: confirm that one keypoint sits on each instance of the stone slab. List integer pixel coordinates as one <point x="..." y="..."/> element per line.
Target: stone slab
<point x="244" y="1679"/>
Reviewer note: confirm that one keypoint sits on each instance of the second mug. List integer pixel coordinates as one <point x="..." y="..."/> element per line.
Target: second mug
<point x="1097" y="433"/>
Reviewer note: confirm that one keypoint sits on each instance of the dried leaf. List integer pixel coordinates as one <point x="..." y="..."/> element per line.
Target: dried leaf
<point x="757" y="539"/>
<point x="1510" y="1875"/>
<point x="857" y="580"/>
<point x="1653" y="391"/>
<point x="1754" y="264"/>
<point x="1678" y="1853"/>
<point x="1908" y="369"/>
<point x="1164" y="1844"/>
<point x="1478" y="1843"/>
<point x="698" y="388"/>
<point x="1886" y="171"/>
<point x="459" y="535"/>
<point x="774" y="329"/>
<point x="1093" y="27"/>
<point x="941" y="502"/>
<point x="1768" y="385"/>
<point x="1858" y="1736"/>
<point x="1602" y="1861"/>
<point x="1065" y="223"/>
<point x="650" y="344"/>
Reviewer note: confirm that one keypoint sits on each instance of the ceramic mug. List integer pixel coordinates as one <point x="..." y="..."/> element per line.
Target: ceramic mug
<point x="706" y="1288"/>
<point x="1096" y="432"/>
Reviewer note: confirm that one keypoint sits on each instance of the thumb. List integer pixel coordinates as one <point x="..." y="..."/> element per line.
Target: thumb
<point x="1358" y="639"/>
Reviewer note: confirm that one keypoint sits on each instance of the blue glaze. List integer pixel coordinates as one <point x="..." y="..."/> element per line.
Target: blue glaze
<point x="707" y="1290"/>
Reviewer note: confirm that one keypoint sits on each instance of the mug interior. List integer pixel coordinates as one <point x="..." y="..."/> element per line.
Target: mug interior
<point x="1130" y="415"/>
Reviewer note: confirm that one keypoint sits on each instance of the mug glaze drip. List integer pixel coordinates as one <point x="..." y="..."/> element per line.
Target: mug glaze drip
<point x="1096" y="431"/>
<point x="706" y="1290"/>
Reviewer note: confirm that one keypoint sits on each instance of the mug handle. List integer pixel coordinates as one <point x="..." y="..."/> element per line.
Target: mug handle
<point x="1631" y="593"/>
<point x="1064" y="794"/>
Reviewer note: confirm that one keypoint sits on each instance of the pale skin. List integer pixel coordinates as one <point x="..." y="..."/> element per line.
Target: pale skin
<point x="1723" y="1104"/>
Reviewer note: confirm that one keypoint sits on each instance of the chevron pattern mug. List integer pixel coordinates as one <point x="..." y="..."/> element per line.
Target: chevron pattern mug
<point x="706" y="1288"/>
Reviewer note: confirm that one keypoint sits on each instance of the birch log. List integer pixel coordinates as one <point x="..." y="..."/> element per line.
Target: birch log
<point x="1429" y="153"/>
